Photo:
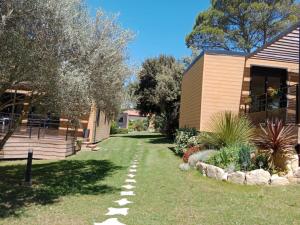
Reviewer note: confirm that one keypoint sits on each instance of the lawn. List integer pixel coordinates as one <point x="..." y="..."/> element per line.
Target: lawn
<point x="79" y="190"/>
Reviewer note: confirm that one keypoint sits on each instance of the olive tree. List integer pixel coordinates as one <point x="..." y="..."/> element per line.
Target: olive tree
<point x="63" y="57"/>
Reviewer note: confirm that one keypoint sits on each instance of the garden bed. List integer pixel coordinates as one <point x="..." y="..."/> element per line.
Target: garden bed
<point x="254" y="177"/>
<point x="266" y="155"/>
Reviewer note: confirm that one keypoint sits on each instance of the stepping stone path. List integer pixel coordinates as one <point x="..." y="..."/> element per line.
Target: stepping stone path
<point x="128" y="186"/>
<point x="130" y="181"/>
<point x="113" y="221"/>
<point x="124" y="201"/>
<point x="127" y="193"/>
<point x="117" y="211"/>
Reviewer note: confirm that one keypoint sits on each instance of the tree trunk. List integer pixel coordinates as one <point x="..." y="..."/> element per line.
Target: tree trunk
<point x="6" y="137"/>
<point x="11" y="131"/>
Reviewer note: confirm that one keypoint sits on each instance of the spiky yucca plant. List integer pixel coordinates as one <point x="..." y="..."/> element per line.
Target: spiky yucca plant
<point x="228" y="129"/>
<point x="277" y="142"/>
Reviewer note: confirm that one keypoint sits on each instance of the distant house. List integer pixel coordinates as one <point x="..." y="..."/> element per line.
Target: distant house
<point x="49" y="136"/>
<point x="262" y="85"/>
<point x="129" y="115"/>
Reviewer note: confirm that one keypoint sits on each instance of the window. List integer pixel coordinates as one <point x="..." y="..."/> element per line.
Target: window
<point x="268" y="88"/>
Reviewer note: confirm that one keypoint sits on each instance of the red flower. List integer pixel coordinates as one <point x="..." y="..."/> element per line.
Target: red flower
<point x="190" y="152"/>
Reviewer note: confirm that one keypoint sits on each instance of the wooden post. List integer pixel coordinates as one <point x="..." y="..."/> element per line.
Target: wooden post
<point x="39" y="130"/>
<point x="67" y="131"/>
<point x="30" y="129"/>
<point x="298" y="101"/>
<point x="12" y="114"/>
<point x="297" y="104"/>
<point x="28" y="167"/>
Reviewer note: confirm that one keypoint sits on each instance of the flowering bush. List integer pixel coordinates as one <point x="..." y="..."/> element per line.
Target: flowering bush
<point x="183" y="139"/>
<point x="193" y="141"/>
<point x="190" y="152"/>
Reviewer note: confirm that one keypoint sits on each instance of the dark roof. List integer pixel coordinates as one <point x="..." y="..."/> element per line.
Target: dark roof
<point x="284" y="47"/>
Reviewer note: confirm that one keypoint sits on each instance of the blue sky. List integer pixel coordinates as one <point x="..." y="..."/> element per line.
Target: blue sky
<point x="160" y="25"/>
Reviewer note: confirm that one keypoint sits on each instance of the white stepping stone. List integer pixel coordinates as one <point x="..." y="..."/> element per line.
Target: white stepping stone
<point x="127" y="193"/>
<point x="132" y="170"/>
<point x="130" y="181"/>
<point x="117" y="211"/>
<point x="134" y="166"/>
<point x="128" y="186"/>
<point x="112" y="221"/>
<point x="131" y="175"/>
<point x="123" y="202"/>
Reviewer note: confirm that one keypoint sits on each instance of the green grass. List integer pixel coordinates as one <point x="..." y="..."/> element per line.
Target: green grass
<point x="79" y="190"/>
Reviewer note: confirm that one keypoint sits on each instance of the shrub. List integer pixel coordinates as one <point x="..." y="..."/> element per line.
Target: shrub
<point x="202" y="156"/>
<point x="114" y="128"/>
<point x="277" y="142"/>
<point x="122" y="131"/>
<point x="138" y="125"/>
<point x="146" y="123"/>
<point x="166" y="125"/>
<point x="228" y="129"/>
<point x="236" y="157"/>
<point x="189" y="152"/>
<point x="261" y="161"/>
<point x="182" y="139"/>
<point x="244" y="157"/>
<point x="193" y="141"/>
<point x="227" y="156"/>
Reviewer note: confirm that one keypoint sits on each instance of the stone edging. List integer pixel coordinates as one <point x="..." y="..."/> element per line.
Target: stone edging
<point x="254" y="177"/>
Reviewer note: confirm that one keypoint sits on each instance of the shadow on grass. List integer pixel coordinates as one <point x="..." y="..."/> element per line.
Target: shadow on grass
<point x="52" y="181"/>
<point x="153" y="139"/>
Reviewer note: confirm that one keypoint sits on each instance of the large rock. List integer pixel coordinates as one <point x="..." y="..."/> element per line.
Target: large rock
<point x="237" y="177"/>
<point x="297" y="172"/>
<point x="184" y="166"/>
<point x="202" y="167"/>
<point x="294" y="180"/>
<point x="225" y="177"/>
<point x="293" y="163"/>
<point x="277" y="181"/>
<point x="215" y="172"/>
<point x="258" y="177"/>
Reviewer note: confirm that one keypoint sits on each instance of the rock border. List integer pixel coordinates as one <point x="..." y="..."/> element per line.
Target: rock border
<point x="254" y="177"/>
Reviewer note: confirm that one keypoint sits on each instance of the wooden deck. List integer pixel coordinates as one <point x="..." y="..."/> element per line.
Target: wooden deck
<point x="17" y="147"/>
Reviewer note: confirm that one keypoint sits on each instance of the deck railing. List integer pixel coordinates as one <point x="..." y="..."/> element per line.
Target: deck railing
<point x="281" y="103"/>
<point x="37" y="126"/>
